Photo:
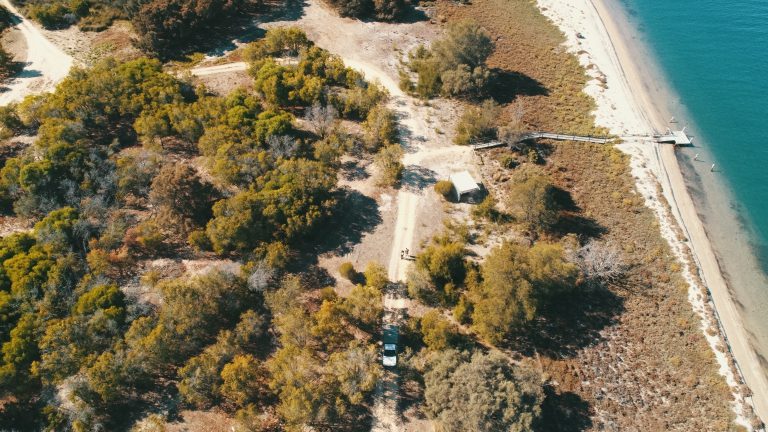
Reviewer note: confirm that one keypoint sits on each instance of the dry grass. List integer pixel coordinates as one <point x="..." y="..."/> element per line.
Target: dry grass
<point x="532" y="63"/>
<point x="651" y="368"/>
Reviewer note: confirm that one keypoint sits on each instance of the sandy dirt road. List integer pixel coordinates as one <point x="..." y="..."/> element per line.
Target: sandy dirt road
<point x="372" y="48"/>
<point x="429" y="155"/>
<point x="219" y="69"/>
<point x="44" y="67"/>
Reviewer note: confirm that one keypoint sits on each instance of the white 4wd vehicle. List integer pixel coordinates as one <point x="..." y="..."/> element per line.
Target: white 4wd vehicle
<point x="389" y="356"/>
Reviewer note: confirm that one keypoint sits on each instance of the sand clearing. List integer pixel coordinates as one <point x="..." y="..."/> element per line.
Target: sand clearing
<point x="625" y="106"/>
<point x="45" y="63"/>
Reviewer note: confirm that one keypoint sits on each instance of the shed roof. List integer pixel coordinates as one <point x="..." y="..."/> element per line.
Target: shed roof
<point x="463" y="182"/>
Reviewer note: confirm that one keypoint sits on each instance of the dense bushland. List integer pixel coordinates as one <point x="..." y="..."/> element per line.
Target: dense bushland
<point x="131" y="164"/>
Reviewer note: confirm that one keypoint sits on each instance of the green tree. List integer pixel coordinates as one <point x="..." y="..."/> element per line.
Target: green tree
<point x="438" y="333"/>
<point x="364" y="304"/>
<point x="517" y="283"/>
<point x="355" y="371"/>
<point x="165" y="25"/>
<point x="389" y="164"/>
<point x="380" y="128"/>
<point x="376" y="276"/>
<point x="455" y="64"/>
<point x="532" y="201"/>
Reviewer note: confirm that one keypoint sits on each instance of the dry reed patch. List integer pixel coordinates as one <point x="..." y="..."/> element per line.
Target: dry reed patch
<point x="653" y="367"/>
<point x="532" y="63"/>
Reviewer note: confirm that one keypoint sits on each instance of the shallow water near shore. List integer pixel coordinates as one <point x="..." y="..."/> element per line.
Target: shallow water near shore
<point x="712" y="57"/>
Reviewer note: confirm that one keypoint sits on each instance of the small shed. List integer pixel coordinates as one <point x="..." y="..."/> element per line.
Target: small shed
<point x="463" y="183"/>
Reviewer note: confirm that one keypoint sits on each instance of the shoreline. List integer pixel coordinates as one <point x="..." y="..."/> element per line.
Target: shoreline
<point x="626" y="106"/>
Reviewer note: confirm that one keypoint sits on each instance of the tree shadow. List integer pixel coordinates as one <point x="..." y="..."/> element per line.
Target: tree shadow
<point x="354" y="216"/>
<point x="416" y="178"/>
<point x="572" y="322"/>
<point x="571" y="220"/>
<point x="412" y="15"/>
<point x="563" y="412"/>
<point x="353" y="171"/>
<point x="226" y="34"/>
<point x="408" y="140"/>
<point x="506" y="85"/>
<point x="290" y="10"/>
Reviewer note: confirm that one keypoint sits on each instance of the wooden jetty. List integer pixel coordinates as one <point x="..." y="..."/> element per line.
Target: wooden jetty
<point x="545" y="135"/>
<point x="671" y="137"/>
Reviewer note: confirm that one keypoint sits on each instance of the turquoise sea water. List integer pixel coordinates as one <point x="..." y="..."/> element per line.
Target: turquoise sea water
<point x="715" y="57"/>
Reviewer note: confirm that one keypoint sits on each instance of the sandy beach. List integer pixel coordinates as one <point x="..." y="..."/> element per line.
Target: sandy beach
<point x="627" y="105"/>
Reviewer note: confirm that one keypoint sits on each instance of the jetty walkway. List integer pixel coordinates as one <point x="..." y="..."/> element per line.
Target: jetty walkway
<point x="671" y="137"/>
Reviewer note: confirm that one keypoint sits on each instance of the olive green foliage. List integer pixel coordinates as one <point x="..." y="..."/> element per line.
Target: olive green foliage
<point x="304" y="83"/>
<point x="203" y="378"/>
<point x="164" y="26"/>
<point x="135" y="171"/>
<point x="438" y="333"/>
<point x="90" y="15"/>
<point x="285" y="203"/>
<point x="347" y="270"/>
<point x="364" y="305"/>
<point x="383" y="10"/>
<point x="444" y="188"/>
<point x="478" y="123"/>
<point x="439" y="270"/>
<point x="482" y="392"/>
<point x="128" y="160"/>
<point x="376" y="276"/>
<point x="388" y="162"/>
<point x="320" y="374"/>
<point x="453" y="66"/>
<point x="517" y="283"/>
<point x="487" y="210"/>
<point x="74" y="146"/>
<point x="531" y="199"/>
<point x="319" y="78"/>
<point x="278" y="41"/>
<point x="380" y="128"/>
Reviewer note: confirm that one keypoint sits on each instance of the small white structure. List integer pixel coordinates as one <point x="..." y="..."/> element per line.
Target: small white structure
<point x="463" y="183"/>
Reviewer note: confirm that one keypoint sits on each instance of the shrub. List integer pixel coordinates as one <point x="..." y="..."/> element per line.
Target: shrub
<point x="420" y="286"/>
<point x="199" y="240"/>
<point x="147" y="237"/>
<point x="437" y="332"/>
<point x="482" y="393"/>
<point x="277" y="255"/>
<point x="347" y="270"/>
<point x="532" y="201"/>
<point x="380" y="128"/>
<point x="388" y="161"/>
<point x="517" y="283"/>
<point x="165" y="24"/>
<point x="376" y="276"/>
<point x="463" y="310"/>
<point x="478" y="123"/>
<point x="444" y="188"/>
<point x="51" y="16"/>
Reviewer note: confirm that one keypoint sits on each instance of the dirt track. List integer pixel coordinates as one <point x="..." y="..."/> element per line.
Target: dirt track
<point x="45" y="63"/>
